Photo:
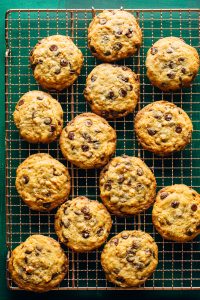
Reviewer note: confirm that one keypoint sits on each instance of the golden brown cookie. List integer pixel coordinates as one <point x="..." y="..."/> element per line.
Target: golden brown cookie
<point x="112" y="90"/>
<point x="172" y="64"/>
<point x="129" y="258"/>
<point x="114" y="35"/>
<point x="42" y="182"/>
<point x="56" y="62"/>
<point x="39" y="264"/>
<point x="39" y="117"/>
<point x="162" y="127"/>
<point x="88" y="141"/>
<point x="127" y="185"/>
<point x="82" y="224"/>
<point x="176" y="213"/>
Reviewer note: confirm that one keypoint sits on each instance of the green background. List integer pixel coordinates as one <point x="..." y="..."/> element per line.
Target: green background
<point x="5" y="5"/>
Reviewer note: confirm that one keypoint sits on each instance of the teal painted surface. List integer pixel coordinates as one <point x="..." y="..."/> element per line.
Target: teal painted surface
<point x="4" y="293"/>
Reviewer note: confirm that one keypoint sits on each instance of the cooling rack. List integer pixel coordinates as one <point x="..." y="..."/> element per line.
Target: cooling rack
<point x="179" y="264"/>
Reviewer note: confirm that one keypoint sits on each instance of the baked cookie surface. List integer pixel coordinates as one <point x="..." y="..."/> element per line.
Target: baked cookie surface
<point x="39" y="264"/>
<point x="172" y="64"/>
<point x="39" y="117"/>
<point x="129" y="258"/>
<point x="42" y="182"/>
<point x="112" y="90"/>
<point x="162" y="127"/>
<point x="127" y="185"/>
<point x="88" y="141"/>
<point x="82" y="224"/>
<point x="114" y="35"/>
<point x="56" y="62"/>
<point x="176" y="213"/>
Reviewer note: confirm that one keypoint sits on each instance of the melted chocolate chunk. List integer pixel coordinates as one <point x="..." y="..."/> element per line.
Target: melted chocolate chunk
<point x="183" y="70"/>
<point x="93" y="78"/>
<point x="171" y="75"/>
<point x="130" y="258"/>
<point x="118" y="32"/>
<point x="85" y="148"/>
<point x="21" y="102"/>
<point x="129" y="33"/>
<point x="85" y="234"/>
<point x="168" y="117"/>
<point x="25" y="179"/>
<point x="63" y="62"/>
<point x="121" y="179"/>
<point x="154" y="50"/>
<point x="108" y="185"/>
<point x="151" y="131"/>
<point x="71" y="135"/>
<point x="53" y="128"/>
<point x="100" y="231"/>
<point x="111" y="95"/>
<point x="194" y="207"/>
<point x="117" y="46"/>
<point x="181" y="59"/>
<point x="107" y="53"/>
<point x="53" y="48"/>
<point x="175" y="204"/>
<point x="122" y="92"/>
<point x="178" y="129"/>
<point x="164" y="195"/>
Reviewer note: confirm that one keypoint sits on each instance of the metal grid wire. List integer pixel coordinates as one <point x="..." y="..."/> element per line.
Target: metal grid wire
<point x="179" y="264"/>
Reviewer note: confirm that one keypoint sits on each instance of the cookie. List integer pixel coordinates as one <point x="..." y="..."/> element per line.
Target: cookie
<point x="114" y="35"/>
<point x="39" y="264"/>
<point x="176" y="213"/>
<point x="88" y="141"/>
<point x="56" y="62"/>
<point x="120" y="92"/>
<point x="129" y="258"/>
<point x="172" y="64"/>
<point x="82" y="224"/>
<point x="42" y="182"/>
<point x="127" y="186"/>
<point x="39" y="117"/>
<point x="162" y="127"/>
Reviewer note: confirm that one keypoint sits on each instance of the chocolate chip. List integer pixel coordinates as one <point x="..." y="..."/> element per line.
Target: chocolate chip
<point x="66" y="223"/>
<point x="53" y="128"/>
<point x="171" y="64"/>
<point x="93" y="78"/>
<point x="63" y="62"/>
<point x="117" y="46"/>
<point x="21" y="102"/>
<point x="140" y="172"/>
<point x="198" y="227"/>
<point x="139" y="187"/>
<point x="107" y="53"/>
<point x="57" y="71"/>
<point x="169" y="50"/>
<point x="72" y="71"/>
<point x="134" y="245"/>
<point x="183" y="70"/>
<point x="194" y="207"/>
<point x="129" y="87"/>
<point x="87" y="137"/>
<point x="71" y="135"/>
<point x="139" y="266"/>
<point x="154" y="50"/>
<point x="168" y="117"/>
<point x="125" y="235"/>
<point x="120" y="279"/>
<point x="164" y="195"/>
<point x="47" y="205"/>
<point x="123" y="78"/>
<point x="116" y="270"/>
<point x="100" y="231"/>
<point x="121" y="179"/>
<point x="178" y="129"/>
<point x="115" y="241"/>
<point x="85" y="234"/>
<point x="93" y="49"/>
<point x="40" y="97"/>
<point x="85" y="210"/>
<point x="105" y="39"/>
<point x="118" y="32"/>
<point x="88" y="217"/>
<point x="130" y="258"/>
<point x="108" y="186"/>
<point x="175" y="204"/>
<point x="77" y="212"/>
<point x="129" y="33"/>
<point x="47" y="121"/>
<point x="85" y="148"/>
<point x="96" y="145"/>
<point x="122" y="92"/>
<point x="56" y="172"/>
<point x="54" y="275"/>
<point x="53" y="48"/>
<point x="25" y="179"/>
<point x="102" y="21"/>
<point x="28" y="251"/>
<point x="181" y="59"/>
<point x="151" y="131"/>
<point x="189" y="232"/>
<point x="111" y="95"/>
<point x="171" y="75"/>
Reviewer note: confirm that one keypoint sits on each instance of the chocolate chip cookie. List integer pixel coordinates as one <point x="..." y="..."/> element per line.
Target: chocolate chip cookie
<point x="119" y="94"/>
<point x="162" y="127"/>
<point x="82" y="224"/>
<point x="172" y="64"/>
<point x="42" y="182"/>
<point x="114" y="35"/>
<point x="39" y="264"/>
<point x="129" y="258"/>
<point x="127" y="185"/>
<point x="56" y="62"/>
<point x="39" y="117"/>
<point x="176" y="213"/>
<point x="88" y="141"/>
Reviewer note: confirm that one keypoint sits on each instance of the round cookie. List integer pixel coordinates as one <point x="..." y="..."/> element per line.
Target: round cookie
<point x="127" y="186"/>
<point x="42" y="182"/>
<point x="39" y="117"/>
<point x="176" y="213"/>
<point x="82" y="224"/>
<point x="172" y="64"/>
<point x="114" y="35"/>
<point x="129" y="258"/>
<point x="162" y="127"/>
<point x="120" y="92"/>
<point x="39" y="264"/>
<point x="56" y="62"/>
<point x="88" y="141"/>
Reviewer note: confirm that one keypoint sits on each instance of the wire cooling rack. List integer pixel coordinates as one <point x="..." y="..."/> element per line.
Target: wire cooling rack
<point x="179" y="264"/>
